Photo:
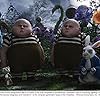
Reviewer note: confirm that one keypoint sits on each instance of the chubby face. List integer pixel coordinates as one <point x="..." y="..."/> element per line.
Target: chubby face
<point x="71" y="28"/>
<point x="22" y="28"/>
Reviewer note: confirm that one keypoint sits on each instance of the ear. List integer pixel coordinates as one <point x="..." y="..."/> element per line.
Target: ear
<point x="87" y="40"/>
<point x="96" y="44"/>
<point x="80" y="30"/>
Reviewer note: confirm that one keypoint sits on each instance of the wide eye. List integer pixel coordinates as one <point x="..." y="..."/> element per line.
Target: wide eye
<point x="65" y="25"/>
<point x="70" y="26"/>
<point x="90" y="51"/>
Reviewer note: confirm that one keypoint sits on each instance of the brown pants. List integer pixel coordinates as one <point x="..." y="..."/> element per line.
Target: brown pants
<point x="25" y="57"/>
<point x="67" y="56"/>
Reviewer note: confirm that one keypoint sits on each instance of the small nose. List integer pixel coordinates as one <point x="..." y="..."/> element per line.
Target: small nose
<point x="22" y="26"/>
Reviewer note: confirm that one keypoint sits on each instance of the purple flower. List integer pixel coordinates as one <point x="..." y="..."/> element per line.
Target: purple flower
<point x="83" y="13"/>
<point x="49" y="35"/>
<point x="44" y="33"/>
<point x="97" y="38"/>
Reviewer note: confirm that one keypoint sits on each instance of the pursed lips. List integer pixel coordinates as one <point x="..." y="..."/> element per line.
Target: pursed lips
<point x="21" y="30"/>
<point x="66" y="31"/>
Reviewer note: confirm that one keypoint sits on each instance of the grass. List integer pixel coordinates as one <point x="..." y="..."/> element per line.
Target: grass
<point x="48" y="80"/>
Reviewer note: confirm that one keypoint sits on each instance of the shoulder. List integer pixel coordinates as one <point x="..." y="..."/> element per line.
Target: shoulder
<point x="34" y="35"/>
<point x="96" y="57"/>
<point x="7" y="35"/>
<point x="83" y="36"/>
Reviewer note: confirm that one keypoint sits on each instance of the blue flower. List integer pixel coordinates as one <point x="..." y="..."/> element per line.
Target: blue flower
<point x="83" y="13"/>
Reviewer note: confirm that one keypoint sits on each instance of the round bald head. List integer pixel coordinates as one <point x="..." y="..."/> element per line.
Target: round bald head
<point x="22" y="28"/>
<point x="71" y="28"/>
<point x="22" y="20"/>
<point x="72" y="21"/>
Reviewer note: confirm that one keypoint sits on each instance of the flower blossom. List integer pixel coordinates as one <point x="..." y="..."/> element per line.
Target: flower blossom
<point x="96" y="17"/>
<point x="83" y="13"/>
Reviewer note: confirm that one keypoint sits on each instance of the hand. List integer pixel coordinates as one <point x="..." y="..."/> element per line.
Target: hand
<point x="5" y="72"/>
<point x="84" y="71"/>
<point x="92" y="70"/>
<point x="6" y="69"/>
